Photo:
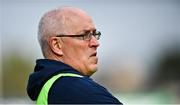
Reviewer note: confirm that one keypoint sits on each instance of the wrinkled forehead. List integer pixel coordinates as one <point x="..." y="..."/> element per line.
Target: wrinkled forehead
<point x="76" y="21"/>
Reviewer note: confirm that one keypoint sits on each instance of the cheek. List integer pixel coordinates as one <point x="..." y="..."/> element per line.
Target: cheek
<point x="77" y="51"/>
<point x="81" y="53"/>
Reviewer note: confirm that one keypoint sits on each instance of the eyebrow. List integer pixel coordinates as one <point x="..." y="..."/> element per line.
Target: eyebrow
<point x="84" y="31"/>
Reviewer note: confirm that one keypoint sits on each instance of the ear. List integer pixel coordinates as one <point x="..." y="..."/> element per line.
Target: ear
<point x="55" y="45"/>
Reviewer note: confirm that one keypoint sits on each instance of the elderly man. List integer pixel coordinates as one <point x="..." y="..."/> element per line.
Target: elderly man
<point x="69" y="42"/>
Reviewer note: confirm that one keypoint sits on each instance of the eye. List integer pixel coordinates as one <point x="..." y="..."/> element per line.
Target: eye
<point x="87" y="36"/>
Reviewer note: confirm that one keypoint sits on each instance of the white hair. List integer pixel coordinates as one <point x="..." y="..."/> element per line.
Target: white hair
<point x="54" y="23"/>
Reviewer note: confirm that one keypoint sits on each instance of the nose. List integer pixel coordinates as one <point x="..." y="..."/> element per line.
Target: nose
<point x="94" y="42"/>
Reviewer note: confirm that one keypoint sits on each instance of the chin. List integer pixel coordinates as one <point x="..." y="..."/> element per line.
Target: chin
<point x="92" y="69"/>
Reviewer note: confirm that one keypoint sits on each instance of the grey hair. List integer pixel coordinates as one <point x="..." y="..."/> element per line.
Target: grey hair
<point x="51" y="24"/>
<point x="54" y="23"/>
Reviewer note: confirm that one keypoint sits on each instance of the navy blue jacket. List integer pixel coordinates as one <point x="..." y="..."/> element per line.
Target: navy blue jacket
<point x="66" y="90"/>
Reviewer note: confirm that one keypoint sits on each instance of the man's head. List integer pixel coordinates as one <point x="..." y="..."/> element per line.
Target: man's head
<point x="69" y="35"/>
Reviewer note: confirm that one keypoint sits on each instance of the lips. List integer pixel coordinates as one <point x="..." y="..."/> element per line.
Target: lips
<point x="94" y="58"/>
<point x="94" y="54"/>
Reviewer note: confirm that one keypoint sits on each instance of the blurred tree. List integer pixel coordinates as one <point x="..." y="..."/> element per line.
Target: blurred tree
<point x="167" y="74"/>
<point x="168" y="68"/>
<point x="16" y="69"/>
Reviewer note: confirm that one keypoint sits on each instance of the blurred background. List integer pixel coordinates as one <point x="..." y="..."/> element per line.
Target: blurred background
<point x="139" y="55"/>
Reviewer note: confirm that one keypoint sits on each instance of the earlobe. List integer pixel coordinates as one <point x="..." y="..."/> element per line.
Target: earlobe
<point x="55" y="46"/>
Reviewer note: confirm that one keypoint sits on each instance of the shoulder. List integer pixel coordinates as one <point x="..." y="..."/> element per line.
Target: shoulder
<point x="67" y="82"/>
<point x="66" y="87"/>
<point x="77" y="90"/>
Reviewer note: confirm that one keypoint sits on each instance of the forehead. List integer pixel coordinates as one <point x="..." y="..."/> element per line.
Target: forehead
<point x="78" y="21"/>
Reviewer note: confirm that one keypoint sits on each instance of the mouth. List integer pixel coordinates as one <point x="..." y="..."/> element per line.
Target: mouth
<point x="94" y="57"/>
<point x="94" y="54"/>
